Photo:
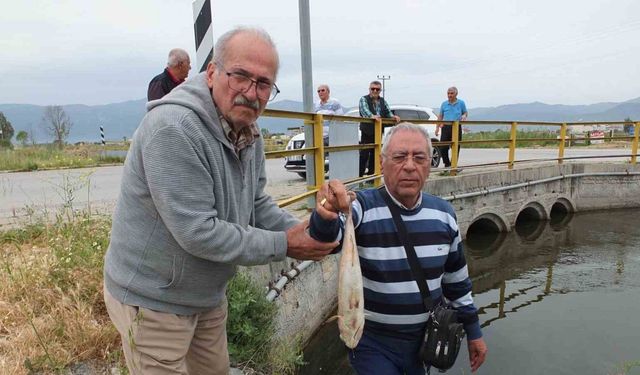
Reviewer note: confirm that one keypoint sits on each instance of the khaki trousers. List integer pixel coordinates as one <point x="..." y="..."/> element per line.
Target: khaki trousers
<point x="161" y="343"/>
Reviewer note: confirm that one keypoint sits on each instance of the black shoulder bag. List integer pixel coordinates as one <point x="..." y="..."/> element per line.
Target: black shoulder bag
<point x="443" y="335"/>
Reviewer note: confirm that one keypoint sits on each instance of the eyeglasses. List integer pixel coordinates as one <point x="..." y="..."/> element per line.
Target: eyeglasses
<point x="322" y="90"/>
<point x="403" y="157"/>
<point x="240" y="82"/>
<point x="374" y="88"/>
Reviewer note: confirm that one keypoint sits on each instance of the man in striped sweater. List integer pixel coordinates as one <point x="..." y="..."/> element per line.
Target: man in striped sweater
<point x="394" y="311"/>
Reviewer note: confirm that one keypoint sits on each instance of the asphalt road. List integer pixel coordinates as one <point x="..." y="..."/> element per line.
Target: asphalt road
<point x="24" y="191"/>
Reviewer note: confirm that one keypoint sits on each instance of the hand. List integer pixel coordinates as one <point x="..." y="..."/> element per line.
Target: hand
<point x="463" y="117"/>
<point x="397" y="118"/>
<point x="477" y="353"/>
<point x="332" y="198"/>
<point x="302" y="247"/>
<point x="377" y="117"/>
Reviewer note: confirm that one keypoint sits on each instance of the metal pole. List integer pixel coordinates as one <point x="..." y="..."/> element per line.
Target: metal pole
<point x="307" y="85"/>
<point x="455" y="131"/>
<point x="203" y="31"/>
<point x="634" y="144"/>
<point x="383" y="79"/>
<point x="563" y="138"/>
<point x="512" y="144"/>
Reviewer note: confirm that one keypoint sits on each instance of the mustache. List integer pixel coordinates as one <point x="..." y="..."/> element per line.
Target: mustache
<point x="241" y="100"/>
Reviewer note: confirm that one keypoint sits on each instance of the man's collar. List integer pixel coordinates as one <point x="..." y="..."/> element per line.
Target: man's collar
<point x="418" y="202"/>
<point x="173" y="78"/>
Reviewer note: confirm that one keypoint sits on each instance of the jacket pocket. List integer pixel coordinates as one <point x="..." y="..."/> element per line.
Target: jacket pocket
<point x="176" y="272"/>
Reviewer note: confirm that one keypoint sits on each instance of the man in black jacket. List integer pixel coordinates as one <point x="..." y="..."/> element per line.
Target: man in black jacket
<point x="177" y="70"/>
<point x="372" y="106"/>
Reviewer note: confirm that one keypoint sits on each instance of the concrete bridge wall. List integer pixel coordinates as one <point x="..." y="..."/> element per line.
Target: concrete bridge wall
<point x="307" y="301"/>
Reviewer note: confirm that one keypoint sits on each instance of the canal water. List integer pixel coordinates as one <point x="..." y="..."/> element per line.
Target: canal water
<point x="554" y="297"/>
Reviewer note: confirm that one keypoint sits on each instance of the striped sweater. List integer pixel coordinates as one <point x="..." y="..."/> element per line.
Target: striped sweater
<point x="393" y="304"/>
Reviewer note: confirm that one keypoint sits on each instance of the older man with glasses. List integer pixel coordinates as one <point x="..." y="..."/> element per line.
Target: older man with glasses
<point x="372" y="106"/>
<point x="395" y="314"/>
<point x="192" y="208"/>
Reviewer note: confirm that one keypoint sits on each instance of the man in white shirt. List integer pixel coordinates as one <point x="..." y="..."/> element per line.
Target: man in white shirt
<point x="327" y="105"/>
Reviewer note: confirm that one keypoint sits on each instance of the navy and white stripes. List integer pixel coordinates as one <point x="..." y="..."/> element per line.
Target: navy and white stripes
<point x="393" y="303"/>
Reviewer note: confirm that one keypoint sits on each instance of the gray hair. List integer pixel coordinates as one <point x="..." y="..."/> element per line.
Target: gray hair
<point x="325" y="86"/>
<point x="220" y="49"/>
<point x="377" y="83"/>
<point x="177" y="56"/>
<point x="454" y="89"/>
<point x="407" y="126"/>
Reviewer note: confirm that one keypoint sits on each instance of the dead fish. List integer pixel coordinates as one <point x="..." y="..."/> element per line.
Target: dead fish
<point x="350" y="294"/>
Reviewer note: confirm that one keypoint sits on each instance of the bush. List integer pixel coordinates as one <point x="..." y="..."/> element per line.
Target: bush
<point x="250" y="323"/>
<point x="251" y="330"/>
<point x="6" y="144"/>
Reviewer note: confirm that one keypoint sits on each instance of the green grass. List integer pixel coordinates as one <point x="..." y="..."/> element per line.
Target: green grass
<point x="521" y="139"/>
<point x="251" y="330"/>
<point x="52" y="313"/>
<point x="625" y="367"/>
<point x="32" y="158"/>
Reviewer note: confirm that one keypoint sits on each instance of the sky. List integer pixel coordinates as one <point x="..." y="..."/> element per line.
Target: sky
<point x="495" y="51"/>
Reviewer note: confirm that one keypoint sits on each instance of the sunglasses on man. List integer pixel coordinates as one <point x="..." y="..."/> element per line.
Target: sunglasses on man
<point x="374" y="88"/>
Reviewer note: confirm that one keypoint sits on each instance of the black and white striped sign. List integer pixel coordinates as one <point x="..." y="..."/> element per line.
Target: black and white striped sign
<point x="203" y="32"/>
<point x="102" y="135"/>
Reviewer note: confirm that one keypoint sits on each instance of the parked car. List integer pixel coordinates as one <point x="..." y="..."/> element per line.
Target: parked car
<point x="297" y="163"/>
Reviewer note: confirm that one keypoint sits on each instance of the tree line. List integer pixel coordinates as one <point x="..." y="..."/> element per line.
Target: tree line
<point x="55" y="122"/>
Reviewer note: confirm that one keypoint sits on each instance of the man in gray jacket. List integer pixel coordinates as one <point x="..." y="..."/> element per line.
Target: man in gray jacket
<point x="192" y="207"/>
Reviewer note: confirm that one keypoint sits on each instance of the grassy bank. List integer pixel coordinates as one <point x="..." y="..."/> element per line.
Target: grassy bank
<point x="32" y="158"/>
<point x="532" y="138"/>
<point x="52" y="313"/>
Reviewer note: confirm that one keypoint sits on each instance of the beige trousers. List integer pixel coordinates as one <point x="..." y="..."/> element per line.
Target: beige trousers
<point x="161" y="343"/>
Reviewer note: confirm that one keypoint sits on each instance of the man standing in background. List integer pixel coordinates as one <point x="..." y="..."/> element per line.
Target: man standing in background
<point x="327" y="105"/>
<point x="177" y="70"/>
<point x="453" y="109"/>
<point x="372" y="106"/>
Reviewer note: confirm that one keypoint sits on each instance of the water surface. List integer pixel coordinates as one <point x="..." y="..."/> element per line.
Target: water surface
<point x="555" y="297"/>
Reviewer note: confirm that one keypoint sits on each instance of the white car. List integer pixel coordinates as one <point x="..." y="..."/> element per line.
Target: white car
<point x="405" y="111"/>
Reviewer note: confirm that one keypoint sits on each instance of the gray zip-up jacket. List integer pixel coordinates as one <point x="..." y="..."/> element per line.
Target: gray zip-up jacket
<point x="190" y="210"/>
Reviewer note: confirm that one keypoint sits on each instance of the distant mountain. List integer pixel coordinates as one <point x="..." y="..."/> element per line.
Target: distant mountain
<point x="557" y="113"/>
<point x="121" y="119"/>
<point x="281" y="125"/>
<point x="118" y="119"/>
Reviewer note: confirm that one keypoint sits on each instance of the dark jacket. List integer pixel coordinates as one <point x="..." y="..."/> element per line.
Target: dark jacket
<point x="366" y="128"/>
<point x="161" y="85"/>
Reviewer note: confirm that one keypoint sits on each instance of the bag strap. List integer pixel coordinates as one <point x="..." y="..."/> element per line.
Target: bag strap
<point x="416" y="269"/>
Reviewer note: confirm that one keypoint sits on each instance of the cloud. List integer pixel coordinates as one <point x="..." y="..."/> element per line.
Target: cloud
<point x="495" y="51"/>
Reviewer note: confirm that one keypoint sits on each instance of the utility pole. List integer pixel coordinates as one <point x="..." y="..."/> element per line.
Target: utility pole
<point x="307" y="83"/>
<point x="384" y="78"/>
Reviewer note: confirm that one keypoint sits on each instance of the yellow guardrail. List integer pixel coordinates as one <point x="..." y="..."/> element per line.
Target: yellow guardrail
<point x="317" y="149"/>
